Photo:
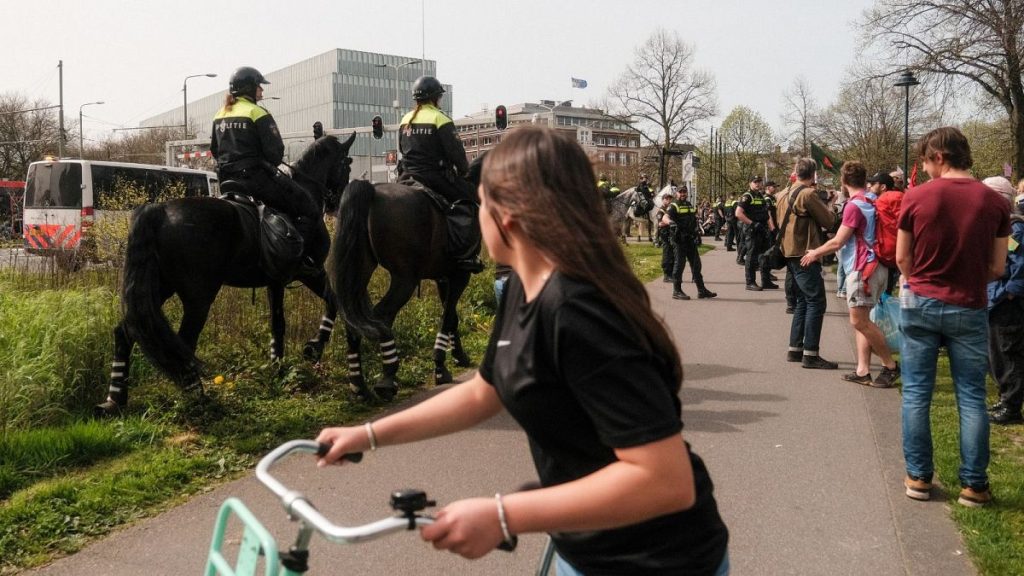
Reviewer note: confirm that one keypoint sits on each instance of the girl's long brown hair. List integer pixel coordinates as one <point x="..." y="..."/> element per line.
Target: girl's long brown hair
<point x="545" y="181"/>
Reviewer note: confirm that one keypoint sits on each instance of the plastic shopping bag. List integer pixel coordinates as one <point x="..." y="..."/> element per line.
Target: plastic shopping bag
<point x="886" y="315"/>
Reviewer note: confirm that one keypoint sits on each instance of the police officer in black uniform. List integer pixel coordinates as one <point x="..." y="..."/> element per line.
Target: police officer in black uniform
<point x="318" y="130"/>
<point x="665" y="230"/>
<point x="685" y="237"/>
<point x="730" y="223"/>
<point x="752" y="210"/>
<point x="718" y="211"/>
<point x="248" y="148"/>
<point x="433" y="155"/>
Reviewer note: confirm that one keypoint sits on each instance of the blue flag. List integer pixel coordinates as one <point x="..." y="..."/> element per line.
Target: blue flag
<point x="578" y="83"/>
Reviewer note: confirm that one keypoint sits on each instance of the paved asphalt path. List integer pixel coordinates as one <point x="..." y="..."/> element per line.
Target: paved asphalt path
<point x="808" y="468"/>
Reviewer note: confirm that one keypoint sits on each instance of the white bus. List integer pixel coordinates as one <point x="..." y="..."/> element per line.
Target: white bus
<point x="64" y="197"/>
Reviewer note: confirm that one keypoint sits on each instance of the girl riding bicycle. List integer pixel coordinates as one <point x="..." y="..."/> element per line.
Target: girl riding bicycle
<point x="578" y="358"/>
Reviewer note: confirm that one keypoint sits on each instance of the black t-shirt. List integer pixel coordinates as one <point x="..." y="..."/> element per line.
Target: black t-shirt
<point x="574" y="375"/>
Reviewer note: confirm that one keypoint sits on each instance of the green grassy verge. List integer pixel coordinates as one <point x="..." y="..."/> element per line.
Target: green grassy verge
<point x="66" y="480"/>
<point x="995" y="534"/>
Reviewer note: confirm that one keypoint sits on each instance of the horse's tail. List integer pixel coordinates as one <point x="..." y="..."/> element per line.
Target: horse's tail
<point x="141" y="303"/>
<point x="354" y="261"/>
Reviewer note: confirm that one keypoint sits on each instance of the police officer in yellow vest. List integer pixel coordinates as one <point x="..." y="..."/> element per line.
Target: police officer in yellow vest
<point x="433" y="155"/>
<point x="685" y="238"/>
<point x="248" y="148"/>
<point x="730" y="225"/>
<point x="752" y="210"/>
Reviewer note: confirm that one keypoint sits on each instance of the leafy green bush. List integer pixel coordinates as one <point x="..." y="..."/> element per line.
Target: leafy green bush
<point x="107" y="239"/>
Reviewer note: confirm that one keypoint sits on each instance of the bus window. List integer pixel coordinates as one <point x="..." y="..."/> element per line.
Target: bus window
<point x="124" y="187"/>
<point x="58" y="185"/>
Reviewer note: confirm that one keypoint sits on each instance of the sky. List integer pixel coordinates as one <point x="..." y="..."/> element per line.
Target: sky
<point x="134" y="55"/>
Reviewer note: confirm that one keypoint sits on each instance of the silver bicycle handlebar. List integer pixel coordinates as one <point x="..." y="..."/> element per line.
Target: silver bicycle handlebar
<point x="298" y="506"/>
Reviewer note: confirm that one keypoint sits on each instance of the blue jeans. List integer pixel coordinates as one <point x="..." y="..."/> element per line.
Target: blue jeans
<point x="563" y="568"/>
<point x="499" y="288"/>
<point x="809" y="311"/>
<point x="964" y="332"/>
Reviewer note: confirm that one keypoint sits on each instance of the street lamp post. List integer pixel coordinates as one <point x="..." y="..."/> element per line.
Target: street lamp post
<point x="184" y="90"/>
<point x="906" y="80"/>
<point x="80" y="138"/>
<point x="395" y="103"/>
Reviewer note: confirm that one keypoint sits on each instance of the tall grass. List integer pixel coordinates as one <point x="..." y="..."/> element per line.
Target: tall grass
<point x="54" y="347"/>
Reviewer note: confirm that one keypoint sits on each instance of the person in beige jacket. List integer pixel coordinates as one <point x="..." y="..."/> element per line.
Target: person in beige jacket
<point x="802" y="232"/>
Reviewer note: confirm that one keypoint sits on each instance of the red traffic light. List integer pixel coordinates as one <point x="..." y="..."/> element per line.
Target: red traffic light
<point x="501" y="117"/>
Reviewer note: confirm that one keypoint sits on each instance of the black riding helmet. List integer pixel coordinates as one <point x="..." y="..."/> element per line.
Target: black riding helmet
<point x="245" y="80"/>
<point x="426" y="89"/>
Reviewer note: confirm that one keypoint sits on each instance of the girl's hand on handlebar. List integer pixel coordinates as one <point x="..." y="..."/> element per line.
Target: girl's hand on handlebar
<point x="469" y="528"/>
<point x="342" y="441"/>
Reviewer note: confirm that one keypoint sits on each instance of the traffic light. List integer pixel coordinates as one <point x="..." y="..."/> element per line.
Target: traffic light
<point x="501" y="117"/>
<point x="378" y="127"/>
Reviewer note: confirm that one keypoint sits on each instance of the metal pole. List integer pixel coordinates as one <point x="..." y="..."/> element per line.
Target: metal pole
<point x="711" y="160"/>
<point x="80" y="148"/>
<point x="184" y="108"/>
<point x="60" y="136"/>
<point x="906" y="136"/>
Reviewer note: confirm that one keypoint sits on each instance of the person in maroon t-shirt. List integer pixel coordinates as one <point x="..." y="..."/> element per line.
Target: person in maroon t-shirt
<point x="952" y="241"/>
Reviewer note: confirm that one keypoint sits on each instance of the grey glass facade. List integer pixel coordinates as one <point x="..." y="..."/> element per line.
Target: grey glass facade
<point x="340" y="88"/>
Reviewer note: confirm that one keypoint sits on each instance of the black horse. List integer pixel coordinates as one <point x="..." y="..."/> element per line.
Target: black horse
<point x="192" y="247"/>
<point x="402" y="230"/>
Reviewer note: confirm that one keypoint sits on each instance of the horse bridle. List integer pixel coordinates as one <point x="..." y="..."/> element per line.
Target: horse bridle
<point x="330" y="192"/>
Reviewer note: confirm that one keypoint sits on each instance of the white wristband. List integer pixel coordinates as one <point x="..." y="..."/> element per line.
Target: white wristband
<point x="501" y="518"/>
<point x="372" y="437"/>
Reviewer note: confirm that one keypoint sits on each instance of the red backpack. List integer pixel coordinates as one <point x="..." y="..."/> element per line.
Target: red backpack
<point x="887" y="218"/>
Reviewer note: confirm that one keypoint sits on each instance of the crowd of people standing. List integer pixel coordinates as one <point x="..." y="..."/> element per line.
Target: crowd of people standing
<point x="949" y="249"/>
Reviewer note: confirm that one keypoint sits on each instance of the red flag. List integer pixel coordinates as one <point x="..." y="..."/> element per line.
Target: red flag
<point x="913" y="177"/>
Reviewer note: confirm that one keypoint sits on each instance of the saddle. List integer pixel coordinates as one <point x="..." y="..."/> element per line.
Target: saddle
<point x="463" y="233"/>
<point x="281" y="245"/>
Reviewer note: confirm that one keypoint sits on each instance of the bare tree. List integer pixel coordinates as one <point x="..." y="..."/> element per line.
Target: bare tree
<point x="141" y="146"/>
<point x="748" y="138"/>
<point x="798" y="113"/>
<point x="663" y="90"/>
<point x="966" y="43"/>
<point x="28" y="131"/>
<point x="866" y="123"/>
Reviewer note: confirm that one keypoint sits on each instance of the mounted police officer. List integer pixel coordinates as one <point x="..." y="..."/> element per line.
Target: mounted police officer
<point x="752" y="210"/>
<point x="433" y="156"/>
<point x="318" y="130"/>
<point x="603" y="185"/>
<point x="682" y="216"/>
<point x="248" y="148"/>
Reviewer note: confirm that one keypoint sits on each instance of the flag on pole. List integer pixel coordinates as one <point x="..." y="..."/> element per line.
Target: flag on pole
<point x="825" y="160"/>
<point x="913" y="177"/>
<point x="578" y="83"/>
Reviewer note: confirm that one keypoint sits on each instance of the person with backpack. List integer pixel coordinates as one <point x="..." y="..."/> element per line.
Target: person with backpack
<point x="865" y="276"/>
<point x="887" y="212"/>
